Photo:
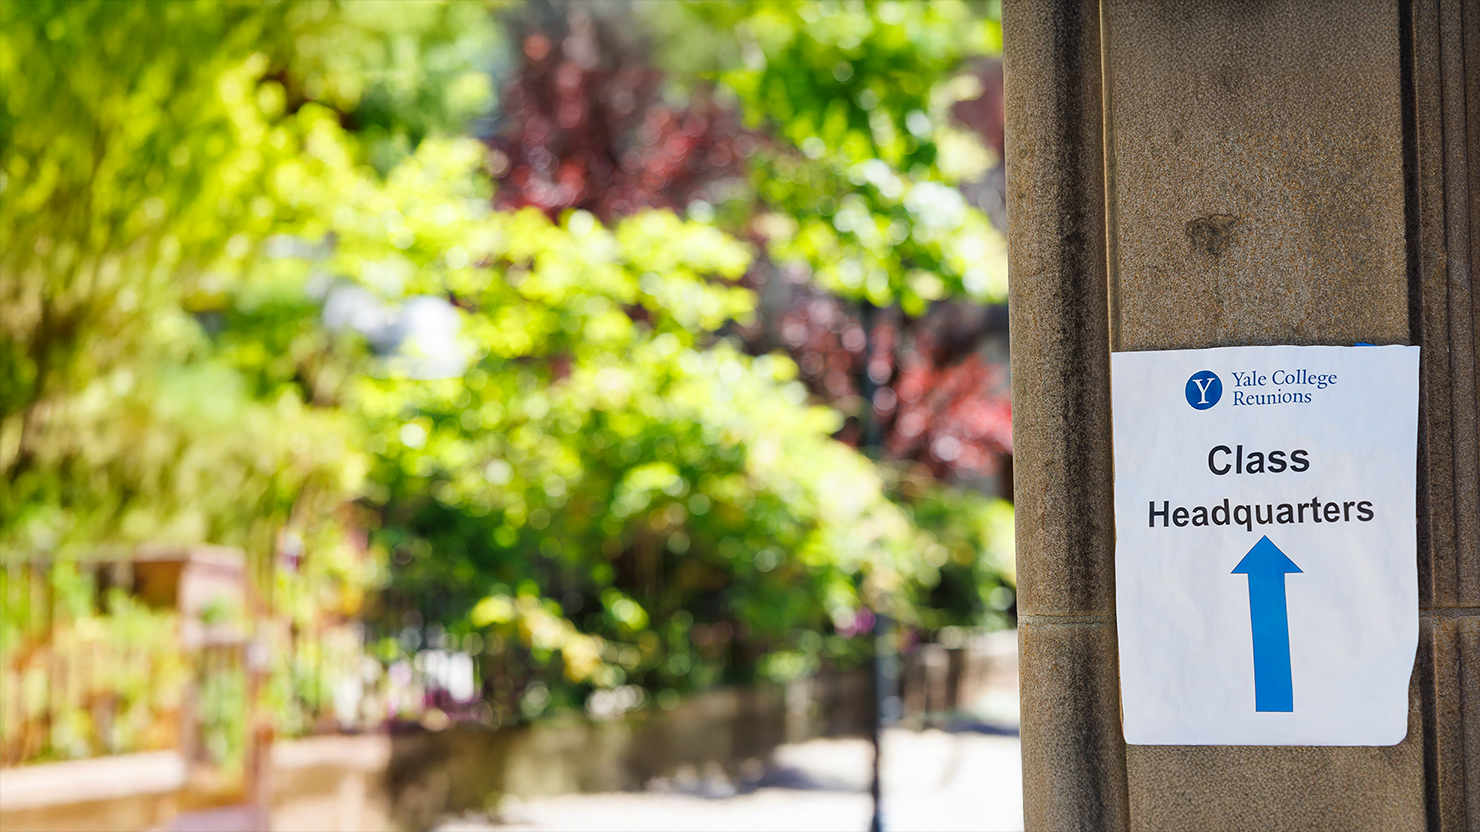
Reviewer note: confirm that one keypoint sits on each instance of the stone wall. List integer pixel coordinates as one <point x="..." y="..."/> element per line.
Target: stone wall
<point x="1191" y="174"/>
<point x="107" y="794"/>
<point x="410" y="778"/>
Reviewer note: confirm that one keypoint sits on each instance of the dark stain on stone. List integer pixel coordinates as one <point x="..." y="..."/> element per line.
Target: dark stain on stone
<point x="1212" y="234"/>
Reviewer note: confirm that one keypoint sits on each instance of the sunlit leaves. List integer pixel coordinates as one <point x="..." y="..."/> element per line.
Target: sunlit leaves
<point x="216" y="221"/>
<point x="851" y="79"/>
<point x="857" y="97"/>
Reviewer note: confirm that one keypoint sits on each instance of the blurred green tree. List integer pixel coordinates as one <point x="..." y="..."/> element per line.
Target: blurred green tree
<point x="856" y="98"/>
<point x="166" y="374"/>
<point x="254" y="291"/>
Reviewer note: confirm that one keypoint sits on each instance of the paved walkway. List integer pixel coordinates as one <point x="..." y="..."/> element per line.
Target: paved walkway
<point x="965" y="779"/>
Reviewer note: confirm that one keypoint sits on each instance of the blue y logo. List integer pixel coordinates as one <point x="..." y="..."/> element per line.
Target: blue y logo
<point x="1204" y="389"/>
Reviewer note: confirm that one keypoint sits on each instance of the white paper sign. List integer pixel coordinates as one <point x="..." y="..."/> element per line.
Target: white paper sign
<point x="1266" y="551"/>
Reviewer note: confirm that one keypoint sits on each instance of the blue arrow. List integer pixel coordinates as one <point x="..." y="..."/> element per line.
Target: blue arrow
<point x="1266" y="567"/>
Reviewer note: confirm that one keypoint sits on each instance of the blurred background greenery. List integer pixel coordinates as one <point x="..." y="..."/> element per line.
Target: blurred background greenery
<point x="541" y="348"/>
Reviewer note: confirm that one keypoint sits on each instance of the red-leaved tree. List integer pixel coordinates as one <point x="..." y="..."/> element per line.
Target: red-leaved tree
<point x="584" y="125"/>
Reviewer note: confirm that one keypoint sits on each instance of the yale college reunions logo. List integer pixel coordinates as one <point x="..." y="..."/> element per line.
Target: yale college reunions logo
<point x="1204" y="389"/>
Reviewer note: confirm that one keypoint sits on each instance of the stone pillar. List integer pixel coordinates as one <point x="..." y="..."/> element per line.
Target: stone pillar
<point x="1074" y="767"/>
<point x="1195" y="174"/>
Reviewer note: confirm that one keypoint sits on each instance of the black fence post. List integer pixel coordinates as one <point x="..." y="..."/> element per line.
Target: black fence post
<point x="886" y="706"/>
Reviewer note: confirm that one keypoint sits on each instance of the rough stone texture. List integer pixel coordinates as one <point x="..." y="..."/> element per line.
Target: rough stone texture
<point x="1273" y="172"/>
<point x="1447" y="166"/>
<point x="1465" y="332"/>
<point x="1455" y="796"/>
<point x="1072" y="745"/>
<point x="1056" y="233"/>
<point x="1073" y="753"/>
<point x="1260" y="200"/>
<point x="1269" y="788"/>
<point x="1257" y="173"/>
<point x="1424" y="169"/>
<point x="1443" y="170"/>
<point x="1452" y="724"/>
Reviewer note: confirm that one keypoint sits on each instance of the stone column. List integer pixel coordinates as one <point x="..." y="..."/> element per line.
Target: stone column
<point x="1193" y="174"/>
<point x="1074" y="765"/>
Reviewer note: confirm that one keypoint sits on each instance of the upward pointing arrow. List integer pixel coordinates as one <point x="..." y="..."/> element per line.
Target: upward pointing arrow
<point x="1266" y="567"/>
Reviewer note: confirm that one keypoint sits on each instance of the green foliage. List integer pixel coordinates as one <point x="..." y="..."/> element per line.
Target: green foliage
<point x="223" y="718"/>
<point x="588" y="441"/>
<point x="967" y="563"/>
<point x="164" y="375"/>
<point x="859" y="180"/>
<point x="851" y="82"/>
<point x="134" y="181"/>
<point x="79" y="682"/>
<point x="604" y="478"/>
<point x="400" y="72"/>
